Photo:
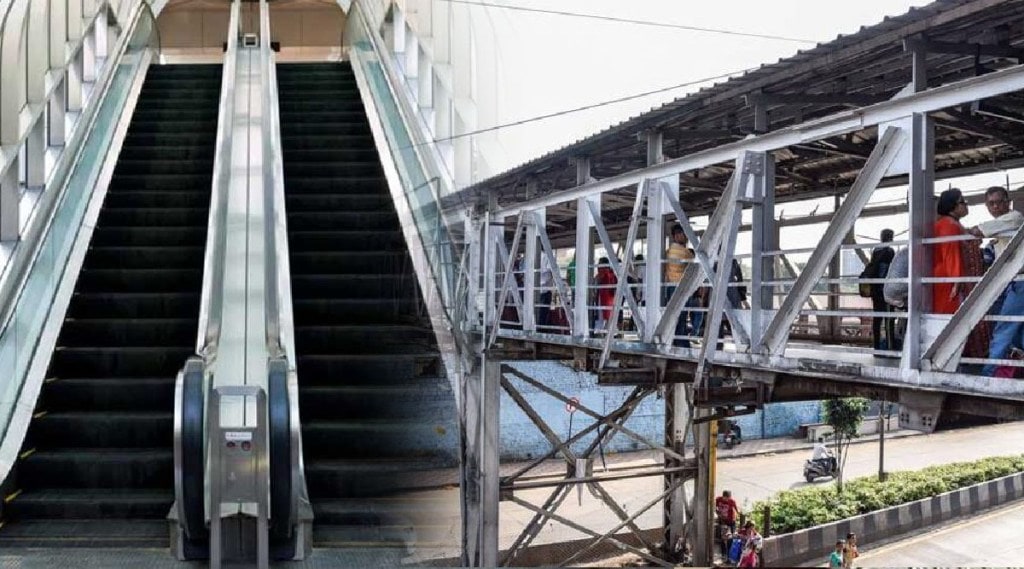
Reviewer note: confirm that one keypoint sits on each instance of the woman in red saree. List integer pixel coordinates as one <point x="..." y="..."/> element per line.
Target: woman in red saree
<point x="957" y="259"/>
<point x="606" y="280"/>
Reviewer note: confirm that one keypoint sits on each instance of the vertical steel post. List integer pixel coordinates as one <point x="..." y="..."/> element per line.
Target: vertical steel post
<point x="489" y="459"/>
<point x="763" y="237"/>
<point x="584" y="252"/>
<point x="531" y="267"/>
<point x="921" y="208"/>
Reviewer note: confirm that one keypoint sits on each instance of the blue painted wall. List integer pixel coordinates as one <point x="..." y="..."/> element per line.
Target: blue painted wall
<point x="521" y="440"/>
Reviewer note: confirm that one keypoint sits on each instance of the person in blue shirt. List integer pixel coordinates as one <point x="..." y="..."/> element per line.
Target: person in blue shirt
<point x="836" y="559"/>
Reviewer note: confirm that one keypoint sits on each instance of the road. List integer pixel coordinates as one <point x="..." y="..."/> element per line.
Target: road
<point x="750" y="478"/>
<point x="992" y="539"/>
<point x="757" y="477"/>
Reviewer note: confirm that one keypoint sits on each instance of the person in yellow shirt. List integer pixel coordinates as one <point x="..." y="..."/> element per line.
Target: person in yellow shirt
<point x="676" y="258"/>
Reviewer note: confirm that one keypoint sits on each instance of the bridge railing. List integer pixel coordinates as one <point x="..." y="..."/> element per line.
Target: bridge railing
<point x="803" y="310"/>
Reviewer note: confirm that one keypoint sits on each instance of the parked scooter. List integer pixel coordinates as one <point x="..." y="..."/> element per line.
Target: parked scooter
<point x="825" y="467"/>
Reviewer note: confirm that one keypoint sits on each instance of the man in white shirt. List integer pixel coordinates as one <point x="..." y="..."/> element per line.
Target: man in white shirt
<point x="1004" y="224"/>
<point x="821" y="453"/>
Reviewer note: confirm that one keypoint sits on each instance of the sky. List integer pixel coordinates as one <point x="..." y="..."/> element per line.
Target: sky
<point x="551" y="63"/>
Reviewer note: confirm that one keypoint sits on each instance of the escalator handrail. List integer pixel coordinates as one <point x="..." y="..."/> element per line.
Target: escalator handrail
<point x="190" y="449"/>
<point x="286" y="461"/>
<point x="212" y="298"/>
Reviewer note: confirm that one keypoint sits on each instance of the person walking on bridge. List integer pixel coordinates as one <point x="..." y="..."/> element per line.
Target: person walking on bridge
<point x="676" y="258"/>
<point x="1004" y="224"/>
<point x="957" y="258"/>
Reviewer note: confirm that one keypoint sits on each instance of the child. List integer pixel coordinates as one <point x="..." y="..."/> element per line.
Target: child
<point x="850" y="553"/>
<point x="749" y="558"/>
<point x="835" y="561"/>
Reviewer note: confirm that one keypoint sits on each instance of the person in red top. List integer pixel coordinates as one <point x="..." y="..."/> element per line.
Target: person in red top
<point x="947" y="260"/>
<point x="749" y="557"/>
<point x="606" y="280"/>
<point x="727" y="510"/>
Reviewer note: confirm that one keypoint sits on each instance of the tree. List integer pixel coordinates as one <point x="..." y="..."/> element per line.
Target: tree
<point x="844" y="416"/>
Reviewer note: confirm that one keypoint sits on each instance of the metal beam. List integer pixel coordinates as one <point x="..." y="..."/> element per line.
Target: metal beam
<point x="622" y="274"/>
<point x="961" y="92"/>
<point x="889" y="145"/>
<point x="963" y="48"/>
<point x="693" y="274"/>
<point x="859" y="99"/>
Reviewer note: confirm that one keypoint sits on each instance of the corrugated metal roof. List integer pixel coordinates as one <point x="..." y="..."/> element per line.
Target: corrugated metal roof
<point x="871" y="61"/>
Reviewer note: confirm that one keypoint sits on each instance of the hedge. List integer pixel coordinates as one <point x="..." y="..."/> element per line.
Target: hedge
<point x="794" y="510"/>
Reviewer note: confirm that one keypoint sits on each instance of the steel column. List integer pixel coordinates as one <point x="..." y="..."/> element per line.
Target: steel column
<point x="584" y="254"/>
<point x="922" y="200"/>
<point x="532" y="267"/>
<point x="763" y="237"/>
<point x="480" y="480"/>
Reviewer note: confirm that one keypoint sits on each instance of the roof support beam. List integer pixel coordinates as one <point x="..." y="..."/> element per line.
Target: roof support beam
<point x="963" y="48"/>
<point x="945" y="96"/>
<point x="858" y="99"/>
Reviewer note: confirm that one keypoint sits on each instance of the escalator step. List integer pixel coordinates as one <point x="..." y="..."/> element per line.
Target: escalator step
<point x="59" y="503"/>
<point x="139" y="280"/>
<point x="143" y="257"/>
<point x="349" y="262"/>
<point x="134" y="305"/>
<point x="121" y="332"/>
<point x="110" y="394"/>
<point x="109" y="533"/>
<point x="149" y="236"/>
<point x="121" y="429"/>
<point x="361" y="339"/>
<point x="358" y="220"/>
<point x="346" y="240"/>
<point x="118" y="362"/>
<point x="98" y="468"/>
<point x="353" y="311"/>
<point x="352" y="202"/>
<point x="149" y="216"/>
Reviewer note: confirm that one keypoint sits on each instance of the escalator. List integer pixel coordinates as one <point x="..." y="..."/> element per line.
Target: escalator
<point x="368" y="366"/>
<point x="97" y="466"/>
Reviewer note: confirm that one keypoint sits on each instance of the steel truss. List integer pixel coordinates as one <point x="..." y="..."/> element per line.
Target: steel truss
<point x="760" y="339"/>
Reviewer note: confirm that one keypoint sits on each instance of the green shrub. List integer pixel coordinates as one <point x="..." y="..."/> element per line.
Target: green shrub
<point x="794" y="510"/>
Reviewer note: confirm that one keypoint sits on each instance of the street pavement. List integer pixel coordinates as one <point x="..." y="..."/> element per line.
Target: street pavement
<point x="752" y="471"/>
<point x="990" y="539"/>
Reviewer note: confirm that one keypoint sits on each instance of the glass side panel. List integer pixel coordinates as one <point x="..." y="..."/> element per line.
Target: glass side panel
<point x="19" y="338"/>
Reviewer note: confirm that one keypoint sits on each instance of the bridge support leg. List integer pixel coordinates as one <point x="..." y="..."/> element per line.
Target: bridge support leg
<point x="479" y="472"/>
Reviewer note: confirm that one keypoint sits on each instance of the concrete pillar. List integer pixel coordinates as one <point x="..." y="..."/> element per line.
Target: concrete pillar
<point x="10" y="196"/>
<point x="35" y="155"/>
<point x="55" y="117"/>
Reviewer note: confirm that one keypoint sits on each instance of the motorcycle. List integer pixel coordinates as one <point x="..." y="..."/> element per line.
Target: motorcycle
<point x="826" y="467"/>
<point x="730" y="437"/>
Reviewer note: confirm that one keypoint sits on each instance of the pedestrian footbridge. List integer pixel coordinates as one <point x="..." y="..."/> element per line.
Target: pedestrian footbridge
<point x="248" y="307"/>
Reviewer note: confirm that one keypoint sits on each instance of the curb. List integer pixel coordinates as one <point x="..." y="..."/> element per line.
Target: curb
<point x="731" y="453"/>
<point x="791" y="549"/>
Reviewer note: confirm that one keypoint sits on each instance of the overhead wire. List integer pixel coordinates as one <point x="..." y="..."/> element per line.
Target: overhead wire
<point x="587" y="107"/>
<point x="631" y="21"/>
